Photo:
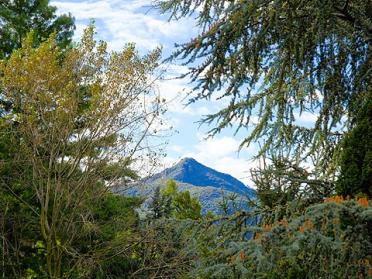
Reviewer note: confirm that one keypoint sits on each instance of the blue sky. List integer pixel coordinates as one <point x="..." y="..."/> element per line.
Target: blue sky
<point x="122" y="21"/>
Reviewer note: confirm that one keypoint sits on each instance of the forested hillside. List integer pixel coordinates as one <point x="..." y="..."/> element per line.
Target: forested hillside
<point x="79" y="121"/>
<point x="216" y="192"/>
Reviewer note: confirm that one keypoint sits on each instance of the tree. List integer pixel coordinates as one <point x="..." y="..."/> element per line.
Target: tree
<point x="111" y="240"/>
<point x="356" y="158"/>
<point x="285" y="189"/>
<point x="169" y="202"/>
<point x="83" y="116"/>
<point x="19" y="225"/>
<point x="277" y="60"/>
<point x="155" y="205"/>
<point x="160" y="205"/>
<point x="19" y="17"/>
<point x="186" y="207"/>
<point x="170" y="188"/>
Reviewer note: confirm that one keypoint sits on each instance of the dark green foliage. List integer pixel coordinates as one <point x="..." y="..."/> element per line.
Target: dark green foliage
<point x="284" y="188"/>
<point x="19" y="17"/>
<point x="115" y="213"/>
<point x="276" y="60"/>
<point x="18" y="222"/>
<point x="356" y="157"/>
<point x="160" y="205"/>
<point x="114" y="230"/>
<point x="19" y="226"/>
<point x="155" y="205"/>
<point x="330" y="240"/>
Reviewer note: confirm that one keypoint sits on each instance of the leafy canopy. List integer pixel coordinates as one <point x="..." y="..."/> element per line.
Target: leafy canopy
<point x="80" y="117"/>
<point x="169" y="202"/>
<point x="278" y="60"/>
<point x="19" y="17"/>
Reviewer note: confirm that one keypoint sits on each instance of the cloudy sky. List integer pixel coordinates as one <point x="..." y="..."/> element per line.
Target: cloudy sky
<point x="122" y="21"/>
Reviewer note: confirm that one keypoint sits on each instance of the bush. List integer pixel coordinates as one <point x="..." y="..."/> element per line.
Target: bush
<point x="330" y="240"/>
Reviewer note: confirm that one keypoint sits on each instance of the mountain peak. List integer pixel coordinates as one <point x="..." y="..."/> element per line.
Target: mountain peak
<point x="190" y="171"/>
<point x="188" y="160"/>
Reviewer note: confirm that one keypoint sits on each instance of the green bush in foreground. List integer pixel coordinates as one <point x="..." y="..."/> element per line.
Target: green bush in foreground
<point x="330" y="240"/>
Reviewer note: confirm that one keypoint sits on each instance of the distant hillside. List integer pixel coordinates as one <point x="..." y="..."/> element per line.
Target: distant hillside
<point x="188" y="170"/>
<point x="207" y="184"/>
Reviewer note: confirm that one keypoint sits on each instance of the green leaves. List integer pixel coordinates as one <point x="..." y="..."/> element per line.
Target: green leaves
<point x="168" y="202"/>
<point x="79" y="119"/>
<point x="186" y="207"/>
<point x="19" y="17"/>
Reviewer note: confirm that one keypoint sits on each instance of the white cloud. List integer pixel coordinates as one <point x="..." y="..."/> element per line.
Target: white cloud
<point x="237" y="167"/>
<point x="217" y="146"/>
<point x="177" y="148"/>
<point x="175" y="91"/>
<point x="306" y="117"/>
<point x="123" y="22"/>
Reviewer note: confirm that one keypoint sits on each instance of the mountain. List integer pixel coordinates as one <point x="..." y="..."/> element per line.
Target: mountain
<point x="189" y="171"/>
<point x="208" y="185"/>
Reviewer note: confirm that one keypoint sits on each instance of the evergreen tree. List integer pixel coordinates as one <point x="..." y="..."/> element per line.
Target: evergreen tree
<point x="278" y="60"/>
<point x="356" y="157"/>
<point x="155" y="205"/>
<point x="160" y="205"/>
<point x="19" y="17"/>
<point x="328" y="240"/>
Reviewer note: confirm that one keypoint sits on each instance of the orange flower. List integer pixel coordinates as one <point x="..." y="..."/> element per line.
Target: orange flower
<point x="363" y="202"/>
<point x="284" y="223"/>
<point x="308" y="225"/>
<point x="336" y="199"/>
<point x="266" y="227"/>
<point x="242" y="255"/>
<point x="257" y="236"/>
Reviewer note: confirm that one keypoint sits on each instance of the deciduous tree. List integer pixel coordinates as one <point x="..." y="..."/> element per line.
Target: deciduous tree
<point x="82" y="119"/>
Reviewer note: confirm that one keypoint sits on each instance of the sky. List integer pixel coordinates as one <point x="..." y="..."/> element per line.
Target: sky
<point x="122" y="21"/>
